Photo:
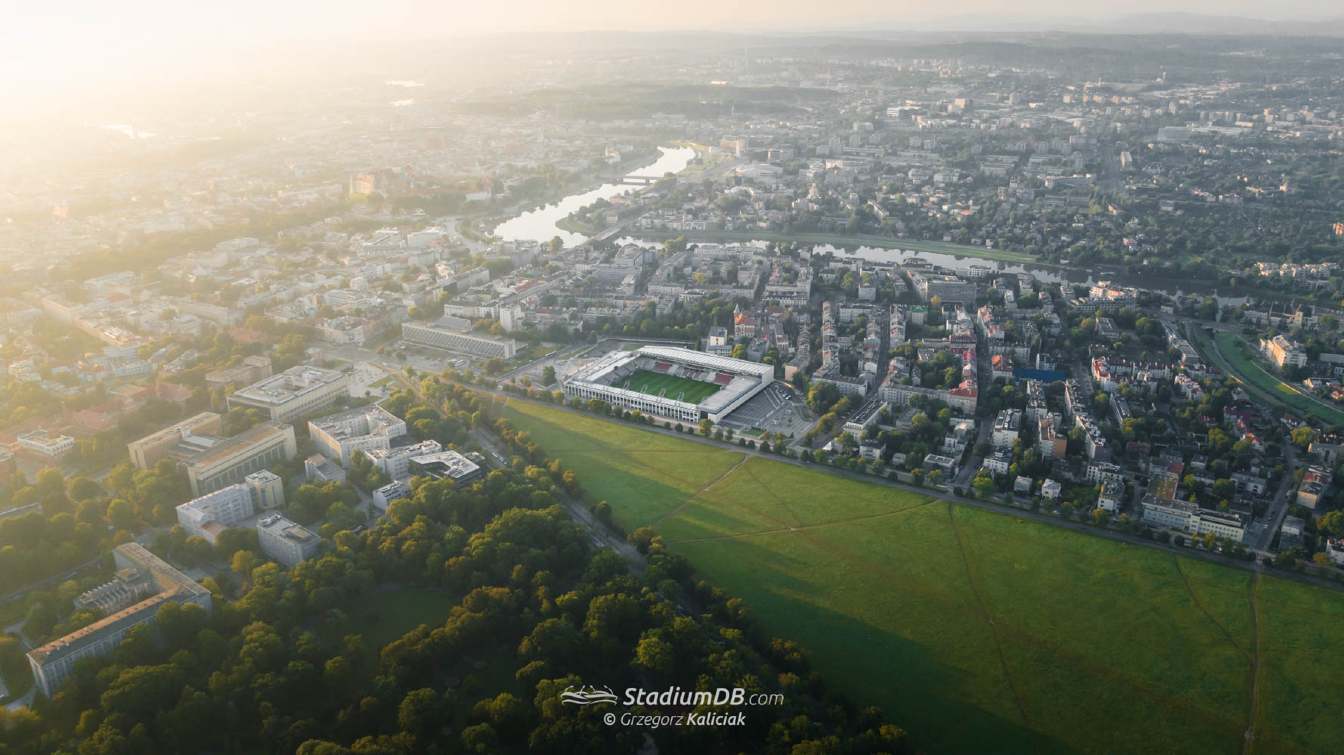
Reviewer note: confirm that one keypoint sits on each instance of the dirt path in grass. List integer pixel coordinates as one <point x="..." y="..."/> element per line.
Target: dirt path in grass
<point x="1194" y="598"/>
<point x="1257" y="673"/>
<point x="682" y="506"/>
<point x="987" y="617"/>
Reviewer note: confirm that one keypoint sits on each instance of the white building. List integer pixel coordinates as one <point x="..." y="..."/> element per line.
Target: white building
<point x="296" y="392"/>
<point x="462" y="343"/>
<point x="1112" y="495"/>
<point x="1187" y="517"/>
<point x="395" y="462"/>
<point x="45" y="445"/>
<point x="384" y="496"/>
<point x="366" y="429"/>
<point x="736" y="382"/>
<point x="1007" y="425"/>
<point x="53" y="662"/>
<point x="286" y="541"/>
<point x="1051" y="489"/>
<point x="212" y="513"/>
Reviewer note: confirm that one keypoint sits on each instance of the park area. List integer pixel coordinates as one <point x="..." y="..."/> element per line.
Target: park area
<point x="1241" y="357"/>
<point x="978" y="631"/>
<point x="669" y="386"/>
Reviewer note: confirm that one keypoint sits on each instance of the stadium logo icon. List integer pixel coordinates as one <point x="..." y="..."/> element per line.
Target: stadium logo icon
<point x="587" y="695"/>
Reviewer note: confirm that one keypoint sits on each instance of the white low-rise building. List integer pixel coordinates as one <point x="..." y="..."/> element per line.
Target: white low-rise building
<point x="286" y="541"/>
<point x="212" y="513"/>
<point x="46" y="445"/>
<point x="294" y="393"/>
<point x="395" y="462"/>
<point x="366" y="429"/>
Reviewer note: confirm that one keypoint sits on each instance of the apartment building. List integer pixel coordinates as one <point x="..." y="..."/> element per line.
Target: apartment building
<point x="1283" y="351"/>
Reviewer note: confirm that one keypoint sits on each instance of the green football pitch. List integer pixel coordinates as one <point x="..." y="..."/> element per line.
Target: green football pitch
<point x="669" y="386"/>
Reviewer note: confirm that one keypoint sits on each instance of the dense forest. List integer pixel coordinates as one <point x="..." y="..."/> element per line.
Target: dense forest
<point x="285" y="664"/>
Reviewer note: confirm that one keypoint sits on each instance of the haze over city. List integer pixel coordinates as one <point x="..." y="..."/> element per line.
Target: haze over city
<point x="156" y="39"/>
<point x="850" y="378"/>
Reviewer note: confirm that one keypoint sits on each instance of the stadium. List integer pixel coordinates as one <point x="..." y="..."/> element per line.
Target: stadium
<point x="669" y="382"/>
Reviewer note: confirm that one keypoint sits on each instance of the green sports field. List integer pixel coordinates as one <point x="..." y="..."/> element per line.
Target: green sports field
<point x="669" y="386"/>
<point x="978" y="631"/>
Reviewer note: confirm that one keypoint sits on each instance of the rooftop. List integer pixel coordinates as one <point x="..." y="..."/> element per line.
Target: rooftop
<point x="286" y="386"/>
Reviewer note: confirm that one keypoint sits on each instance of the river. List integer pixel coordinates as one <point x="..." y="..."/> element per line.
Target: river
<point x="540" y="224"/>
<point x="964" y="263"/>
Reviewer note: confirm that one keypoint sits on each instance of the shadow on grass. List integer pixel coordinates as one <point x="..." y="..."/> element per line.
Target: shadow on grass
<point x="872" y="665"/>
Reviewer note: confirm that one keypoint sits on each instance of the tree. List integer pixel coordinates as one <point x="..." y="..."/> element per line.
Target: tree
<point x="982" y="484"/>
<point x="120" y="514"/>
<point x="242" y="563"/>
<point x="422" y="715"/>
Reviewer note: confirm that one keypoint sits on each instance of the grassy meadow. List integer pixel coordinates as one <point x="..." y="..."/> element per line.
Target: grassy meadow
<point x="974" y="630"/>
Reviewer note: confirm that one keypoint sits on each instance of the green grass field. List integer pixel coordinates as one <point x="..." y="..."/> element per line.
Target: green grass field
<point x="1237" y="353"/>
<point x="977" y="631"/>
<point x="387" y="615"/>
<point x="669" y="386"/>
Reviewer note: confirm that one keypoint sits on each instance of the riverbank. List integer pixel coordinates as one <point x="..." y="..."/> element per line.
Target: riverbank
<point x="851" y="241"/>
<point x="543" y="223"/>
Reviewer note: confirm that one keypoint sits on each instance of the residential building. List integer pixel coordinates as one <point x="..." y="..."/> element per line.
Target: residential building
<point x="998" y="462"/>
<point x="1284" y="352"/>
<point x="1050" y="490"/>
<point x="948" y="288"/>
<point x="1007" y="425"/>
<point x="8" y="465"/>
<point x="1187" y="517"/>
<point x="1050" y="443"/>
<point x="1112" y="495"/>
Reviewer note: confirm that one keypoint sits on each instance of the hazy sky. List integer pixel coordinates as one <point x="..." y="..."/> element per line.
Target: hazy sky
<point x="53" y="42"/>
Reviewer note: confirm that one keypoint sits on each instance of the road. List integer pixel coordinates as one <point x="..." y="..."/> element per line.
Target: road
<point x="599" y="534"/>
<point x="46" y="582"/>
<point x="1279" y="508"/>
<point x="984" y="425"/>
